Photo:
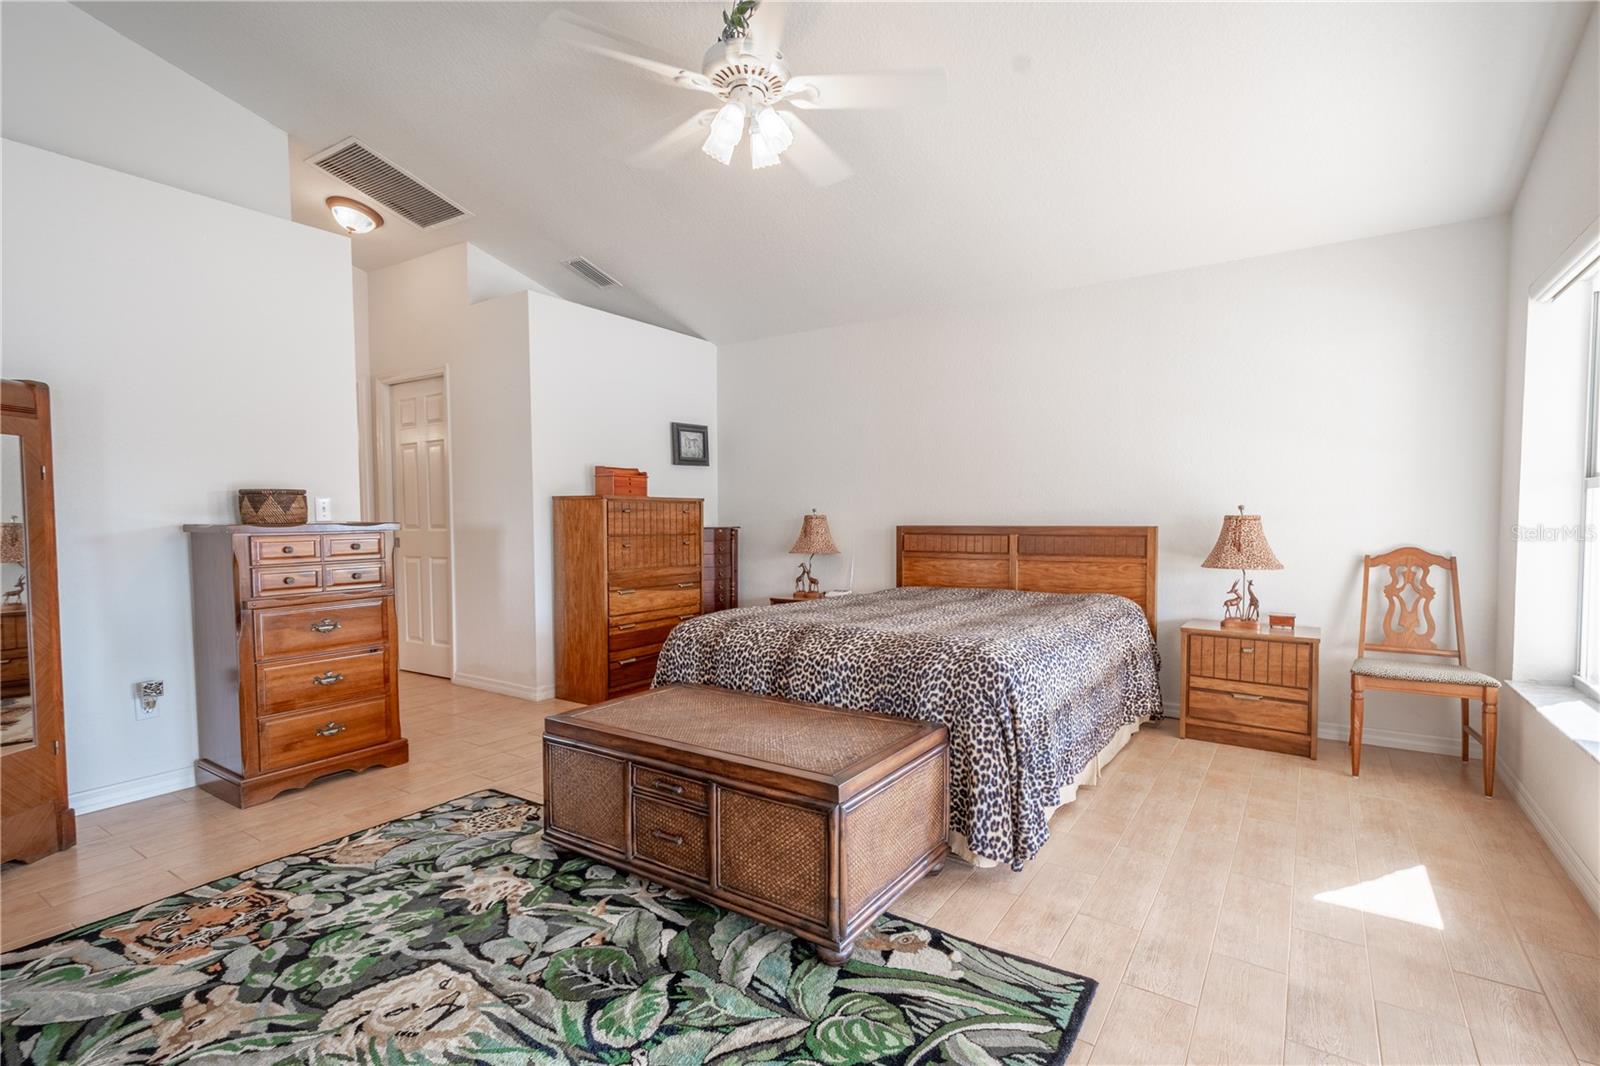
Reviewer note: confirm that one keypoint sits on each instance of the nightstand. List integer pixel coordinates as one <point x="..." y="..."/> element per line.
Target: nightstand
<point x="1254" y="688"/>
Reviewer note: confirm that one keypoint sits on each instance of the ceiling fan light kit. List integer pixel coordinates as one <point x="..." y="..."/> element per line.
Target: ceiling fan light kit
<point x="747" y="72"/>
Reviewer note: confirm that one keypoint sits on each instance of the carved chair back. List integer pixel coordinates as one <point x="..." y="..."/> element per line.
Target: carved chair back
<point x="1410" y="619"/>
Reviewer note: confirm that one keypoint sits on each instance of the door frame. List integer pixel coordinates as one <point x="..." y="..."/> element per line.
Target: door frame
<point x="383" y="481"/>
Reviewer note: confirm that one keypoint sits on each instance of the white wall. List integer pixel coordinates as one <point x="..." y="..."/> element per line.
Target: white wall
<point x="1349" y="394"/>
<point x="421" y="321"/>
<point x="606" y="391"/>
<point x="73" y="85"/>
<point x="1554" y="778"/>
<point x="192" y="348"/>
<point x="540" y="391"/>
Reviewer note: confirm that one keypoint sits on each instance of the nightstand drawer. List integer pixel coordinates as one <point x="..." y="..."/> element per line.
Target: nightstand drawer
<point x="1254" y="659"/>
<point x="1242" y="708"/>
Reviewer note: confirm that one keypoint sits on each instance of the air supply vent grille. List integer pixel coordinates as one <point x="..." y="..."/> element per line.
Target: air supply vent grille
<point x="360" y="167"/>
<point x="591" y="273"/>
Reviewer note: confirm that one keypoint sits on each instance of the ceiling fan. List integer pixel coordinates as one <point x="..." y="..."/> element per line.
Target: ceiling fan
<point x="746" y="69"/>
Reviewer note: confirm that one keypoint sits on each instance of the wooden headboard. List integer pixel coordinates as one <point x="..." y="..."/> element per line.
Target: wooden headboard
<point x="1115" y="559"/>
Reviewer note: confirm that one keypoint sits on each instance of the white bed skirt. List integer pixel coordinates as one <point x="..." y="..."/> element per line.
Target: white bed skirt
<point x="1089" y="775"/>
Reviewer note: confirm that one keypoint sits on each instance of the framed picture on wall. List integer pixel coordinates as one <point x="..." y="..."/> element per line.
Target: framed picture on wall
<point x="691" y="445"/>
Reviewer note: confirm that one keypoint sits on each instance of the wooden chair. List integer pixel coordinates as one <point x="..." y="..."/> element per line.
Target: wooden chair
<point x="1409" y="629"/>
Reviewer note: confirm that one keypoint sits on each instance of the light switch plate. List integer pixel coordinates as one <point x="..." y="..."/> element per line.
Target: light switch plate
<point x="324" y="509"/>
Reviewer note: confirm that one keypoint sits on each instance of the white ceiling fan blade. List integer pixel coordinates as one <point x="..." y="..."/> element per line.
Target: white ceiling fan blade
<point x="811" y="156"/>
<point x="598" y="40"/>
<point x="673" y="145"/>
<point x="901" y="88"/>
<point x="766" y="25"/>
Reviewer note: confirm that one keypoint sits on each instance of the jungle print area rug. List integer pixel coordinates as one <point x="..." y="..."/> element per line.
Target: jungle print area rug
<point x="457" y="935"/>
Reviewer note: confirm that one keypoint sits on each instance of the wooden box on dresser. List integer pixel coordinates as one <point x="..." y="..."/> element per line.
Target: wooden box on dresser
<point x="295" y="655"/>
<point x="627" y="569"/>
<point x="1253" y="687"/>
<point x="719" y="588"/>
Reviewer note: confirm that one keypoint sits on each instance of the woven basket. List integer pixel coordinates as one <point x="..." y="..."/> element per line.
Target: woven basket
<point x="272" y="507"/>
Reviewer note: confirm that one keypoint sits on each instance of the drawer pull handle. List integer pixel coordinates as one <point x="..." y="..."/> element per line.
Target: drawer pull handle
<point x="687" y="584"/>
<point x="355" y="545"/>
<point x="670" y="838"/>
<point x="628" y="625"/>
<point x="1247" y="651"/>
<point x="356" y="576"/>
<point x="289" y="580"/>
<point x="288" y="549"/>
<point x="685" y="617"/>
<point x="329" y="678"/>
<point x="327" y="625"/>
<point x="1245" y="696"/>
<point x="667" y="786"/>
<point x="627" y="662"/>
<point x="332" y="729"/>
<point x="625" y="592"/>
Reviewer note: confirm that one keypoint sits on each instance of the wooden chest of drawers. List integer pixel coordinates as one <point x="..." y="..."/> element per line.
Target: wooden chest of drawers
<point x="808" y="818"/>
<point x="627" y="569"/>
<point x="719" y="569"/>
<point x="295" y="657"/>
<point x="1255" y="689"/>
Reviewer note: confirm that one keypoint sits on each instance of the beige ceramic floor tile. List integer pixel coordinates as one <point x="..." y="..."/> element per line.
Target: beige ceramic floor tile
<point x="1410" y="968"/>
<point x="1099" y="950"/>
<point x="1265" y="850"/>
<point x="1512" y="1026"/>
<point x="1126" y="887"/>
<point x="1254" y="925"/>
<point x="1313" y="879"/>
<point x="1173" y="949"/>
<point x="1422" y="1039"/>
<point x="1571" y="984"/>
<point x="1242" y="1012"/>
<point x="1330" y="998"/>
<point x="1144" y="1028"/>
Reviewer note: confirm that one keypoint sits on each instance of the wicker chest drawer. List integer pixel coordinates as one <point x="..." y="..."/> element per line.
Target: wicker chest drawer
<point x="672" y="836"/>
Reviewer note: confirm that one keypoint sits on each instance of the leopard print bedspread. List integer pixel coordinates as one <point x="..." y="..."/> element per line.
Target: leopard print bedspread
<point x="1032" y="685"/>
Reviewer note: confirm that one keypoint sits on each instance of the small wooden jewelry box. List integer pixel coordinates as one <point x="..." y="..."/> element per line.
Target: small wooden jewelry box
<point x="1282" y="620"/>
<point x="620" y="481"/>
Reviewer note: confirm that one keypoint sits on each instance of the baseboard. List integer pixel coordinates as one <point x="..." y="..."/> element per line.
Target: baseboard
<point x="545" y="692"/>
<point x="1392" y="738"/>
<point x="98" y="799"/>
<point x="1581" y="875"/>
<point x="491" y="684"/>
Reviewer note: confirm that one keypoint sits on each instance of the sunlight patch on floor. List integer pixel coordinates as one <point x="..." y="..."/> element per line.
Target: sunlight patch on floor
<point x="1406" y="895"/>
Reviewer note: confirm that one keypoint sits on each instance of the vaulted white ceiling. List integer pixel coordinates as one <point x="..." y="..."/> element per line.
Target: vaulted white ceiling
<point x="1077" y="143"/>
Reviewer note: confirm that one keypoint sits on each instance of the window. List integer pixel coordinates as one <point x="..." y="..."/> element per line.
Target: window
<point x="1588" y="676"/>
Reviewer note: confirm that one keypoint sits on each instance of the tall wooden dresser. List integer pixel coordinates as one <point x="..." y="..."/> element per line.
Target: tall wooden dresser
<point x="295" y="657"/>
<point x="719" y="569"/>
<point x="627" y="569"/>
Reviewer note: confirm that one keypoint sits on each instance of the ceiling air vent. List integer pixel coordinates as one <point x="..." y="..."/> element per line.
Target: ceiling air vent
<point x="591" y="273"/>
<point x="360" y="167"/>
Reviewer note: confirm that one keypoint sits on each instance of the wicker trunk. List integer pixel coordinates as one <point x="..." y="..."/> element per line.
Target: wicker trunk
<point x="807" y="818"/>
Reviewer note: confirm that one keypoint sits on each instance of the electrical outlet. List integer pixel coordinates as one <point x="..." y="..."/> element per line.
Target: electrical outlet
<point x="324" y="509"/>
<point x="145" y="695"/>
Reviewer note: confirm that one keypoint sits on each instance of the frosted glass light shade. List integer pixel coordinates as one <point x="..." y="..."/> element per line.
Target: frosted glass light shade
<point x="353" y="216"/>
<point x="726" y="129"/>
<point x="777" y="132"/>
<point x="762" y="154"/>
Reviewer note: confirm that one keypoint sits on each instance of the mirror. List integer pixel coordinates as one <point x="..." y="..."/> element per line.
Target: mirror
<point x="17" y="730"/>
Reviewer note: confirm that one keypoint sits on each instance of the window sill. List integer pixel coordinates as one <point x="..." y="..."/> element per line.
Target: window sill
<point x="1574" y="714"/>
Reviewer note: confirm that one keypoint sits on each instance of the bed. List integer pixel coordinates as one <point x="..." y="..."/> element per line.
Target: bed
<point x="1033" y="644"/>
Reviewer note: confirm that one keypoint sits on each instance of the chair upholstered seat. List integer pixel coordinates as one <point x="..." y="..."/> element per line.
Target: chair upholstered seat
<point x="1441" y="673"/>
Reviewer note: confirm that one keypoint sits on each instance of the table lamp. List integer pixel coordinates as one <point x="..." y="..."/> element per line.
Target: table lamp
<point x="1241" y="546"/>
<point x="814" y="540"/>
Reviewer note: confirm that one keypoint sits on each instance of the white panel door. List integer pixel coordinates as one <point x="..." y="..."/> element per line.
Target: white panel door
<point x="420" y="446"/>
